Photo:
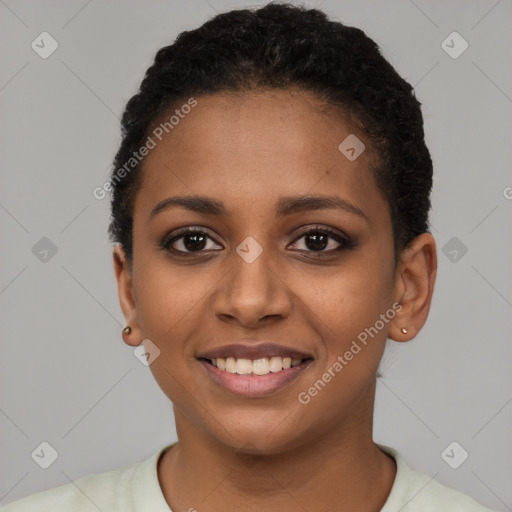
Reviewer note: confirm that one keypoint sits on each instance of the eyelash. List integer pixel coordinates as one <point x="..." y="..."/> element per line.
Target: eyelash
<point x="345" y="242"/>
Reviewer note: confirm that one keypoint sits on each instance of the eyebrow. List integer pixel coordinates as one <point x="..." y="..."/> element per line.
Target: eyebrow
<point x="285" y="206"/>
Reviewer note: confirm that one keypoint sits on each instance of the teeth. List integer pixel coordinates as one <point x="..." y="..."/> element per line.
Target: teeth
<point x="243" y="366"/>
<point x="276" y="364"/>
<point x="261" y="366"/>
<point x="231" y="365"/>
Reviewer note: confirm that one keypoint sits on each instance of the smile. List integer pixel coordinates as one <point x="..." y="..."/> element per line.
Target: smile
<point x="254" y="377"/>
<point x="261" y="366"/>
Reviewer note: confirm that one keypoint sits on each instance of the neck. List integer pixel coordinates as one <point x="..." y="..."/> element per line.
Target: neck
<point x="340" y="470"/>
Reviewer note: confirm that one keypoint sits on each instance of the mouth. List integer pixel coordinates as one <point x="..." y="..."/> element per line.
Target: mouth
<point x="254" y="370"/>
<point x="260" y="366"/>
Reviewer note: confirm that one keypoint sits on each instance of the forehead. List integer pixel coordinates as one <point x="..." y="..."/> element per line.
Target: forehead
<point x="258" y="146"/>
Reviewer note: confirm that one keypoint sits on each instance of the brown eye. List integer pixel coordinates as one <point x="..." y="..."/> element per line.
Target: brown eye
<point x="319" y="239"/>
<point x="188" y="241"/>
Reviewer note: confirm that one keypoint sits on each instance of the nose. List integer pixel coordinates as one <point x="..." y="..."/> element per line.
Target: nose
<point x="252" y="293"/>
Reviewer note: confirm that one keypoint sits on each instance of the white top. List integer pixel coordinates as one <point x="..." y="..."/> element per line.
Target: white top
<point x="135" y="488"/>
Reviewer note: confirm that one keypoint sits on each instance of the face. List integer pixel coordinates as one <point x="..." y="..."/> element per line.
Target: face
<point x="262" y="266"/>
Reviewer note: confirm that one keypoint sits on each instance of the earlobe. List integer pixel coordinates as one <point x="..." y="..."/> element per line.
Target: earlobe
<point x="415" y="279"/>
<point x="131" y="332"/>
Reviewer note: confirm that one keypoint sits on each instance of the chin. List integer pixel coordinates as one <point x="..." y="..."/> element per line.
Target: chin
<point x="268" y="435"/>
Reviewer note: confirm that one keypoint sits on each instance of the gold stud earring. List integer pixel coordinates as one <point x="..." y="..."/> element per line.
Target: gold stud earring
<point x="127" y="330"/>
<point x="404" y="330"/>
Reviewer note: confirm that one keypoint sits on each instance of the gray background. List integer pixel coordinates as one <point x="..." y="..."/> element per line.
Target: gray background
<point x="67" y="377"/>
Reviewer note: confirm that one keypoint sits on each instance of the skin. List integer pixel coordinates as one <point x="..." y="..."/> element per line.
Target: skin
<point x="271" y="453"/>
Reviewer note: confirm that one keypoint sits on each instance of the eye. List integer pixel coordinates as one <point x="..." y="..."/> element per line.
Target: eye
<point x="187" y="240"/>
<point x="315" y="240"/>
<point x="318" y="239"/>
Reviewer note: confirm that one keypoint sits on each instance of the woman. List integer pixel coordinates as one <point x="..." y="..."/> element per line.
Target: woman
<point x="270" y="205"/>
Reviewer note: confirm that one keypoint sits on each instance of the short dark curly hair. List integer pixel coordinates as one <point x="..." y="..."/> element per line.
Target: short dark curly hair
<point x="280" y="46"/>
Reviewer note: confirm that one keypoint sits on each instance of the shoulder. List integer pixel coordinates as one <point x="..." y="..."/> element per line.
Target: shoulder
<point x="112" y="490"/>
<point x="414" y="491"/>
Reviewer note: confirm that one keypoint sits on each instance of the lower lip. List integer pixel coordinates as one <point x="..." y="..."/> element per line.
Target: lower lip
<point x="255" y="385"/>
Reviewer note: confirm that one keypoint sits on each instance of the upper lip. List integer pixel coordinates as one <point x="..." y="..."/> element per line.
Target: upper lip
<point x="253" y="350"/>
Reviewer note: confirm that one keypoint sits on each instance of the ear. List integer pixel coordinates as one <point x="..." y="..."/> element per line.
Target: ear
<point x="415" y="279"/>
<point x="126" y="297"/>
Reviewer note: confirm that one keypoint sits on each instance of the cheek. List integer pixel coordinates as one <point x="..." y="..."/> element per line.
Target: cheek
<point x="346" y="311"/>
<point x="348" y="300"/>
<point x="167" y="301"/>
